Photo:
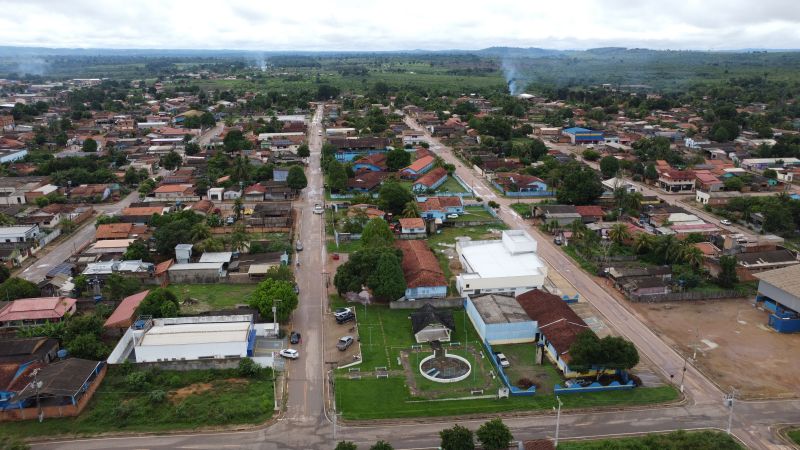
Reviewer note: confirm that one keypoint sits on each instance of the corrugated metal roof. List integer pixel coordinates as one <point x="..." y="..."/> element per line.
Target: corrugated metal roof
<point x="196" y="333"/>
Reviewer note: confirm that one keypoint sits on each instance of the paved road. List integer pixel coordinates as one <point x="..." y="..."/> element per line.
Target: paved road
<point x="305" y="426"/>
<point x="62" y="250"/>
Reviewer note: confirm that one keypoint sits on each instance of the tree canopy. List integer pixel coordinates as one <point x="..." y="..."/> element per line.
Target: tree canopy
<point x="611" y="352"/>
<point x="494" y="435"/>
<point x="159" y="302"/>
<point x="393" y="198"/>
<point x="296" y="179"/>
<point x="272" y="292"/>
<point x="376" y="233"/>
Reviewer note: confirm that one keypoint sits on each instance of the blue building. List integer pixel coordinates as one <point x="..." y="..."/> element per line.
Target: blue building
<point x="430" y="180"/>
<point x="432" y="208"/>
<point x="779" y="293"/>
<point x="578" y="135"/>
<point x="499" y="319"/>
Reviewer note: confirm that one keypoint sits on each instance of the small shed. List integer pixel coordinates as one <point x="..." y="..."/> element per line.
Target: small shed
<point x="432" y="324"/>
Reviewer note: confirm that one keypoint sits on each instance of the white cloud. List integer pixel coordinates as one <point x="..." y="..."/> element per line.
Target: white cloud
<point x="410" y="24"/>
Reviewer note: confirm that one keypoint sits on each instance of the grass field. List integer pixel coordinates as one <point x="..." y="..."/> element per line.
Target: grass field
<point x="451" y="185"/>
<point x="162" y="401"/>
<point x="523" y="209"/>
<point x="385" y="333"/>
<point x="676" y="440"/>
<point x="449" y="235"/>
<point x="213" y="296"/>
<point x="474" y="213"/>
<point x="794" y="435"/>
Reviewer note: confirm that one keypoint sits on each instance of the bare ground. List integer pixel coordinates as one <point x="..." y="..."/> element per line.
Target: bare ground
<point x="734" y="345"/>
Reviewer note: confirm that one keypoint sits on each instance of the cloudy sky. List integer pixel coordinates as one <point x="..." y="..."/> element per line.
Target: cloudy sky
<point x="400" y="25"/>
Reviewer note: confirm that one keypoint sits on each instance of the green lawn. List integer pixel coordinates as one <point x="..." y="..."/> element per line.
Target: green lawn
<point x="449" y="235"/>
<point x="523" y="365"/>
<point x="213" y="296"/>
<point x="156" y="404"/>
<point x="523" y="209"/>
<point x="385" y="333"/>
<point x="676" y="440"/>
<point x="794" y="435"/>
<point x="451" y="185"/>
<point x="473" y="213"/>
<point x="343" y="247"/>
<point x="372" y="398"/>
<point x="585" y="264"/>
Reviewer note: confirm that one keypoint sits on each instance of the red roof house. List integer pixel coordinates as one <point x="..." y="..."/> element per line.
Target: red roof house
<point x="34" y="311"/>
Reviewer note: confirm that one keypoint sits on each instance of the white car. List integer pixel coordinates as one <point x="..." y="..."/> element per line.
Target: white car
<point x="725" y="222"/>
<point x="289" y="353"/>
<point x="502" y="360"/>
<point x="452" y="216"/>
<point x="318" y="209"/>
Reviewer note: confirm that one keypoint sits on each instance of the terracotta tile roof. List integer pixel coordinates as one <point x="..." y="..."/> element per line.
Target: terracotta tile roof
<point x="163" y="267"/>
<point x="589" y="211"/>
<point x="439" y="203"/>
<point x="366" y="180"/>
<point x="412" y="222"/>
<point x="142" y="211"/>
<point x="122" y="317"/>
<point x="420" y="266"/>
<point x="557" y="321"/>
<point x="375" y="159"/>
<point x="113" y="231"/>
<point x="174" y="188"/>
<point x="37" y="308"/>
<point x="421" y="163"/>
<point x="430" y="178"/>
<point x="255" y="189"/>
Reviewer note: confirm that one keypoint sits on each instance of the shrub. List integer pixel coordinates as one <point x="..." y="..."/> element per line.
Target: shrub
<point x="493" y="204"/>
<point x="136" y="381"/>
<point x="248" y="368"/>
<point x="525" y="383"/>
<point x="157" y="396"/>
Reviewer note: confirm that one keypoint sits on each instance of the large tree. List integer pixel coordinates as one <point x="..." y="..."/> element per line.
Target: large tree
<point x="14" y="288"/>
<point x="393" y="198"/>
<point x="303" y="151"/>
<point x="337" y="176"/>
<point x="494" y="435"/>
<point x="387" y="281"/>
<point x="376" y="233"/>
<point x="271" y="293"/>
<point x="159" y="302"/>
<point x="611" y="352"/>
<point x="457" y="438"/>
<point x="89" y="145"/>
<point x="727" y="276"/>
<point x="296" y="179"/>
<point x="609" y="166"/>
<point x="397" y="159"/>
<point x="581" y="186"/>
<point x="377" y="268"/>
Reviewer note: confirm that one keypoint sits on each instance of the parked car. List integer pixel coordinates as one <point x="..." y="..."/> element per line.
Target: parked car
<point x="344" y="317"/>
<point x="230" y="220"/>
<point x="452" y="216"/>
<point x="725" y="222"/>
<point x="289" y="353"/>
<point x="344" y="343"/>
<point x="318" y="209"/>
<point x="502" y="360"/>
<point x="298" y="246"/>
<point x="294" y="337"/>
<point x="557" y="240"/>
<point x="296" y="288"/>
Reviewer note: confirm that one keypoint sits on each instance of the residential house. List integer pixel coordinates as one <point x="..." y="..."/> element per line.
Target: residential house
<point x="430" y="180"/>
<point x="590" y="213"/>
<point x="412" y="228"/>
<point x="347" y="149"/>
<point x="27" y="350"/>
<point x="174" y="191"/>
<point x="715" y="199"/>
<point x="509" y="182"/>
<point x="413" y="137"/>
<point x="255" y="193"/>
<point x="706" y="181"/>
<point x="564" y="215"/>
<point x="558" y="326"/>
<point x="119" y="231"/>
<point x="19" y="233"/>
<point x="90" y="192"/>
<point x="676" y="181"/>
<point x="375" y="162"/>
<point x="366" y="181"/>
<point x="418" y="167"/>
<point x="431" y="324"/>
<point x="423" y="274"/>
<point x="437" y="208"/>
<point x="36" y="311"/>
<point x="141" y="214"/>
<point x="125" y="313"/>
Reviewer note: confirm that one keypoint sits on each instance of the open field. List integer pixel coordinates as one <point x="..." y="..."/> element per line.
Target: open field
<point x="451" y="185"/>
<point x="212" y="296"/>
<point x="734" y="345"/>
<point x="158" y="401"/>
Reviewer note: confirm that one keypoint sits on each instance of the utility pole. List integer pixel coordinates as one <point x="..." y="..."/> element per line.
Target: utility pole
<point x="36" y="384"/>
<point x="558" y="420"/>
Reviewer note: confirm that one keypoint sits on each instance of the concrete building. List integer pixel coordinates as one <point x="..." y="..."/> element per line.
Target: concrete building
<point x="509" y="265"/>
<point x="186" y="339"/>
<point x="19" y="233"/>
<point x="779" y="293"/>
<point x="499" y="319"/>
<point x="203" y="273"/>
<point x="677" y="181"/>
<point x="578" y="135"/>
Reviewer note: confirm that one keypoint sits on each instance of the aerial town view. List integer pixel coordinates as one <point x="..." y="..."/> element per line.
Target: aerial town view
<point x="422" y="226"/>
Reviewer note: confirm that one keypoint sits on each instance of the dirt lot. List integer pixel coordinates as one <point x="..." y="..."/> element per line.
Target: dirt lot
<point x="735" y="347"/>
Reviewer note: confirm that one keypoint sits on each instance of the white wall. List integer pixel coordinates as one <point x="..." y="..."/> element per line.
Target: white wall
<point x="152" y="353"/>
<point x="499" y="284"/>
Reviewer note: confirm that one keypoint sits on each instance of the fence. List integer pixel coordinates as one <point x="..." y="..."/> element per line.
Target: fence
<point x="453" y="302"/>
<point x="524" y="193"/>
<point x="594" y="387"/>
<point x="686" y="296"/>
<point x="513" y="390"/>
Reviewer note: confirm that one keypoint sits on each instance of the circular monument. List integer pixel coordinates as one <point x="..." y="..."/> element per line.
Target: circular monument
<point x="442" y="367"/>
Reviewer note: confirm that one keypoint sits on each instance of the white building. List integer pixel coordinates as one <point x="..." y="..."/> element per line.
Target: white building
<point x="19" y="233"/>
<point x="187" y="338"/>
<point x="506" y="265"/>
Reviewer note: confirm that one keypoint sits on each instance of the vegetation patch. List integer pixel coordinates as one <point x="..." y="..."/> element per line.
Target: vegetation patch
<point x="677" y="440"/>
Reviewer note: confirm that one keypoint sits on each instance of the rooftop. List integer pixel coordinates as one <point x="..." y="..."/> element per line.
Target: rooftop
<point x="786" y="279"/>
<point x="556" y="319"/>
<point x="498" y="308"/>
<point x="513" y="256"/>
<point x="196" y="333"/>
<point x="122" y="316"/>
<point x="37" y="308"/>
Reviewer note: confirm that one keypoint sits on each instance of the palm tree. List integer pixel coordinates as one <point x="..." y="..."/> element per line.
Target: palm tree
<point x="667" y="248"/>
<point x="237" y="206"/>
<point x="411" y="210"/>
<point x="578" y="230"/>
<point x="199" y="232"/>
<point x="619" y="233"/>
<point x="643" y="243"/>
<point x="241" y="169"/>
<point x="692" y="256"/>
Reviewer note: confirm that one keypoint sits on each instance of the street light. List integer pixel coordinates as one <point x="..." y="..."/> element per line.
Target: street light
<point x="728" y="401"/>
<point x="558" y="420"/>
